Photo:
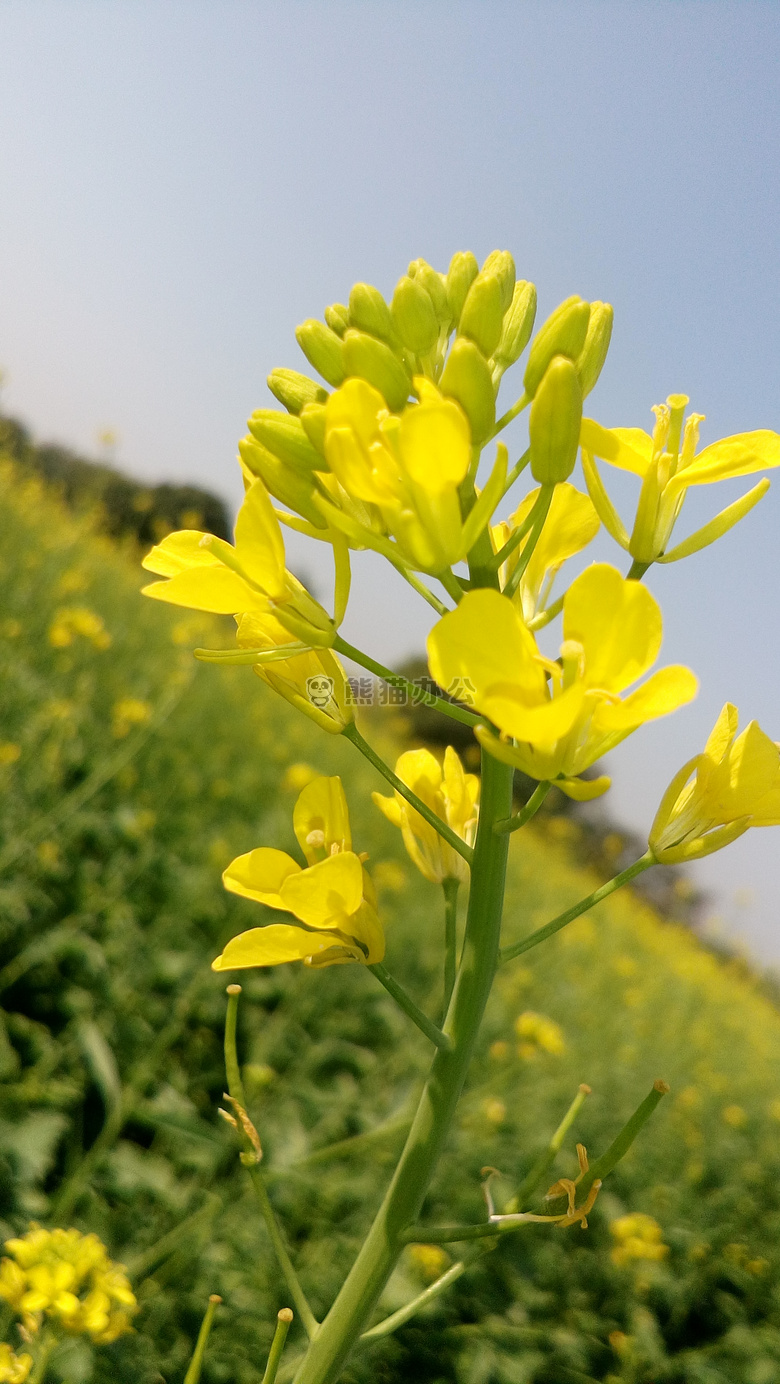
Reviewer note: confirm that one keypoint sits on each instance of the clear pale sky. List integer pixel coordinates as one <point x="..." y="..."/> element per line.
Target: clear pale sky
<point x="183" y="181"/>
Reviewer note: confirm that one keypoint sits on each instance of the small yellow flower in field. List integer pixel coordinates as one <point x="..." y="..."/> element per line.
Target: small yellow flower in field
<point x="451" y="794"/>
<point x="312" y="680"/>
<point x="571" y="524"/>
<point x="128" y="713"/>
<point x="333" y="897"/>
<point x="637" y="1236"/>
<point x="390" y="875"/>
<point x="734" y="1116"/>
<point x="9" y="752"/>
<point x="558" y="718"/>
<point x="297" y="776"/>
<point x="73" y="621"/>
<point x="717" y="795"/>
<point x="14" y="1369"/>
<point x="494" y="1110"/>
<point x="68" y="1279"/>
<point x="431" y="1261"/>
<point x="538" y="1034"/>
<point x="499" y="1050"/>
<point x="667" y="465"/>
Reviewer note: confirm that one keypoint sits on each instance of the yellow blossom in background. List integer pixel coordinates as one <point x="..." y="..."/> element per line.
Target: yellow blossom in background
<point x="67" y="1279"/>
<point x="9" y="752"/>
<point x="313" y="680"/>
<point x="14" y="1369"/>
<point x="129" y="712"/>
<point x="431" y="1261"/>
<point x="637" y="1236"/>
<point x="667" y="465"/>
<point x="538" y="1034"/>
<point x="715" y="797"/>
<point x="571" y="524"/>
<point x="333" y="897"/>
<point x="557" y="718"/>
<point x="72" y="622"/>
<point x="296" y="776"/>
<point x="451" y="794"/>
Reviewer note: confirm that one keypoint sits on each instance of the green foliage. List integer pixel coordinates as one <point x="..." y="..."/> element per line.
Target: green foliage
<point x="129" y="777"/>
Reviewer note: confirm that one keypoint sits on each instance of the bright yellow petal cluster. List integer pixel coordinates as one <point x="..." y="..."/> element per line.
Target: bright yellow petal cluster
<point x="733" y="785"/>
<point x="557" y="718"/>
<point x="637" y="1236"/>
<point x="397" y="477"/>
<point x="68" y="1279"/>
<point x="667" y="465"/>
<point x="571" y="524"/>
<point x="333" y="897"/>
<point x="452" y="794"/>
<point x="313" y="680"/>
<point x="14" y="1368"/>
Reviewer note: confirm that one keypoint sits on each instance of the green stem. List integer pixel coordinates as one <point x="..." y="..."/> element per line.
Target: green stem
<point x="637" y="570"/>
<point x="539" y="512"/>
<point x="531" y="808"/>
<point x="352" y="733"/>
<point x="283" y="1320"/>
<point x="514" y="538"/>
<point x="405" y="1002"/>
<point x="196" y="1363"/>
<point x="418" y="693"/>
<point x="411" y="1309"/>
<point x="45" y="1349"/>
<point x="450" y="583"/>
<point x="542" y="933"/>
<point x="422" y="590"/>
<point x="619" y="1148"/>
<point x="517" y="470"/>
<point x="236" y="1089"/>
<point x="451" y="887"/>
<point x="548" y="1155"/>
<point x="430" y="1129"/>
<point x="545" y="616"/>
<point x="510" y="415"/>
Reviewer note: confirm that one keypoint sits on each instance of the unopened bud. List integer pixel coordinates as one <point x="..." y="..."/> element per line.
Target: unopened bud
<point x="337" y="318"/>
<point x="482" y="317"/>
<point x="554" y="422"/>
<point x="293" y="390"/>
<point x="289" y="487"/>
<point x="593" y="354"/>
<point x="466" y="378"/>
<point x="313" y="420"/>
<point x="414" y="316"/>
<point x="284" y="435"/>
<point x="368" y="312"/>
<point x="461" y="274"/>
<point x="322" y="349"/>
<point x="434" y="286"/>
<point x="501" y="263"/>
<point x="371" y="360"/>
<point x="563" y="334"/>
<point x="518" y="325"/>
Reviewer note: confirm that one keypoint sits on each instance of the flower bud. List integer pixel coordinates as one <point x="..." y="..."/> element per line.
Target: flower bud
<point x="434" y="286"/>
<point x="466" y="379"/>
<point x="289" y="487"/>
<point x="482" y="317"/>
<point x="563" y="334"/>
<point x="337" y="318"/>
<point x="293" y="390"/>
<point x="322" y="349"/>
<point x="368" y="312"/>
<point x="518" y="325"/>
<point x="500" y="263"/>
<point x="593" y="354"/>
<point x="414" y="316"/>
<point x="461" y="274"/>
<point x="554" y="422"/>
<point x="372" y="360"/>
<point x="313" y="420"/>
<point x="286" y="438"/>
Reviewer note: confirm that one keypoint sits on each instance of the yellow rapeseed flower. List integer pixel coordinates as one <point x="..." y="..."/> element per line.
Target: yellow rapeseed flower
<point x="333" y="897"/>
<point x="716" y="796"/>
<point x="72" y="622"/>
<point x="557" y="718"/>
<point x="538" y="1034"/>
<point x="313" y="680"/>
<point x="68" y="1279"/>
<point x="637" y="1236"/>
<point x="667" y="465"/>
<point x="451" y="794"/>
<point x="572" y="523"/>
<point x="14" y="1368"/>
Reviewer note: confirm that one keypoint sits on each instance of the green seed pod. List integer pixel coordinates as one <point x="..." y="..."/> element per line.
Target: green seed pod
<point x="313" y="419"/>
<point x="461" y="274"/>
<point x="434" y="286"/>
<point x="368" y="312"/>
<point x="289" y="487"/>
<point x="337" y="318"/>
<point x="483" y="316"/>
<point x="554" y="422"/>
<point x="285" y="437"/>
<point x="563" y="334"/>
<point x="466" y="378"/>
<point x="414" y="316"/>
<point x="322" y="349"/>
<point x="371" y="360"/>
<point x="518" y="325"/>
<point x="591" y="359"/>
<point x="500" y="263"/>
<point x="293" y="390"/>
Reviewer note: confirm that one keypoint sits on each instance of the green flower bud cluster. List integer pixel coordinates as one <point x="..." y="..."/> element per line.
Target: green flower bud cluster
<point x="564" y="363"/>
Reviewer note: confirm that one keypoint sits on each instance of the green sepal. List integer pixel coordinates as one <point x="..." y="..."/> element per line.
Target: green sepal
<point x="563" y="334"/>
<point x="286" y="485"/>
<point x="461" y="274"/>
<point x="434" y="286"/>
<point x="518" y="325"/>
<point x="501" y="263"/>
<point x="322" y="349"/>
<point x="293" y="390"/>
<point x="313" y="420"/>
<point x="285" y="436"/>
<point x="373" y="361"/>
<point x="590" y="361"/>
<point x="368" y="312"/>
<point x="414" y="316"/>
<point x="337" y="318"/>
<point x="554" y="423"/>
<point x="466" y="379"/>
<point x="482" y="318"/>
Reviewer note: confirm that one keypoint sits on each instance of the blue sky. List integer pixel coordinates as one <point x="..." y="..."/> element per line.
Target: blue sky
<point x="182" y="183"/>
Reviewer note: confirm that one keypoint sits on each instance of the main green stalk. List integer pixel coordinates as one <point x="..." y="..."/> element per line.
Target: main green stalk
<point x="350" y="1312"/>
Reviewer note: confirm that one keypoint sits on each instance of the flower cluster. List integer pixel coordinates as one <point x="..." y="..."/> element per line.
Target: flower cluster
<point x="452" y="795"/>
<point x="637" y="1236"/>
<point x="14" y="1368"/>
<point x="67" y="1279"/>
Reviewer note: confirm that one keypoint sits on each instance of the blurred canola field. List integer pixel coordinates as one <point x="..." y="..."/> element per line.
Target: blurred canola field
<point x="129" y="777"/>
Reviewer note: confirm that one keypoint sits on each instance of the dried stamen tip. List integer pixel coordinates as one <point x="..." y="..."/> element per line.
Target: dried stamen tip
<point x="233" y="990"/>
<point x="662" y="1086"/>
<point x="215" y="1298"/>
<point x="586" y="1090"/>
<point x="284" y="1315"/>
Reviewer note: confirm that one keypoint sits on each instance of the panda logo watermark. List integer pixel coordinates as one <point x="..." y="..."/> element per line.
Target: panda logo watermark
<point x="319" y="690"/>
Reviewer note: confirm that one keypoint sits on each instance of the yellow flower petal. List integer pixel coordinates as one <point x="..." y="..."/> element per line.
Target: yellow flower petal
<point x="435" y="444"/>
<point x="389" y="806"/>
<point x="731" y="456"/>
<point x="541" y="724"/>
<point x="326" y="893"/>
<point x="572" y="523"/>
<point x="628" y="448"/>
<point x="178" y="552"/>
<point x="259" y="542"/>
<point x="482" y="643"/>
<point x="213" y="588"/>
<point x="664" y="692"/>
<point x="584" y="790"/>
<point x="321" y="819"/>
<point x="260" y="875"/>
<point x="617" y="622"/>
<point x="272" y="946"/>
